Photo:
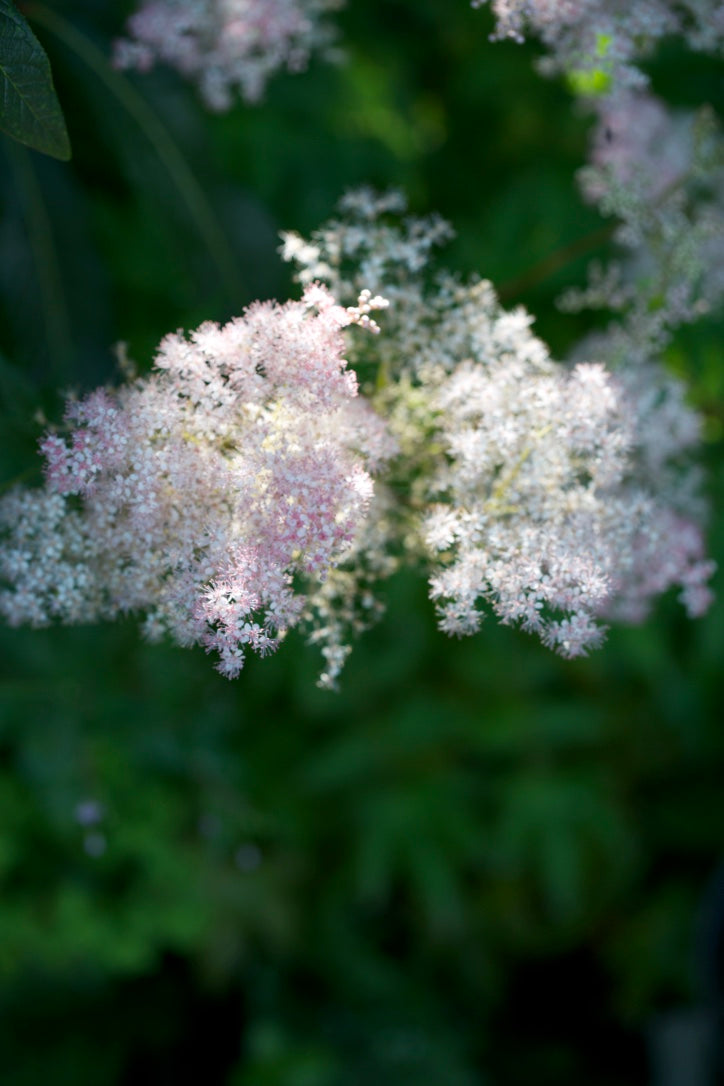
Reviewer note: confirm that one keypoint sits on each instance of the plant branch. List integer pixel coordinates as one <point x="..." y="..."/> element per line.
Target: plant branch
<point x="552" y="263"/>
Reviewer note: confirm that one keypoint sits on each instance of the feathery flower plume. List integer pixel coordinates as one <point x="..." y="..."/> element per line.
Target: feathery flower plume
<point x="661" y="174"/>
<point x="597" y="44"/>
<point x="553" y="495"/>
<point x="228" y="496"/>
<point x="208" y="494"/>
<point x="227" y="46"/>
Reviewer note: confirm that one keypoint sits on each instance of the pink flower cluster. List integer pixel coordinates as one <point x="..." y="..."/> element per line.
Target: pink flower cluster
<point x="208" y="489"/>
<point x="226" y="46"/>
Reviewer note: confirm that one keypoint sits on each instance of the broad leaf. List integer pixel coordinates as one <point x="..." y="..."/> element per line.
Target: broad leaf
<point x="29" y="107"/>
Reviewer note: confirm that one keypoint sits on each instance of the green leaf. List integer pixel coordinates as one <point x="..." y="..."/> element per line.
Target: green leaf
<point x="29" y="108"/>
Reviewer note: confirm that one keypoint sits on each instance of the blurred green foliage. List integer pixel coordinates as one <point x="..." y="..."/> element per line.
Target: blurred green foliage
<point x="477" y="863"/>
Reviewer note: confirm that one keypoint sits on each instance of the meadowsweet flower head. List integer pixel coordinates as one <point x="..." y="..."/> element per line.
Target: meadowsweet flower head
<point x="228" y="496"/>
<point x="598" y="44"/>
<point x="206" y="490"/>
<point x="533" y="489"/>
<point x="226" y="46"/>
<point x="660" y="173"/>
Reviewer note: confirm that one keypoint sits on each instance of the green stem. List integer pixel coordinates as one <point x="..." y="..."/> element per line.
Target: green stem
<point x="495" y="502"/>
<point x="157" y="134"/>
<point x="551" y="264"/>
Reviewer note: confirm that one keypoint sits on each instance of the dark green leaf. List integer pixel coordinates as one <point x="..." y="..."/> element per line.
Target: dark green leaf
<point x="29" y="107"/>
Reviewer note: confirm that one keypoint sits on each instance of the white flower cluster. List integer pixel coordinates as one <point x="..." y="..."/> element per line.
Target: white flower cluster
<point x="597" y="44"/>
<point x="227" y="46"/>
<point x="228" y="497"/>
<point x="661" y="174"/>
<point x="552" y="494"/>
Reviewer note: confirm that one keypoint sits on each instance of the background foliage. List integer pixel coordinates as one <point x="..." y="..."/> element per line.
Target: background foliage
<point x="477" y="863"/>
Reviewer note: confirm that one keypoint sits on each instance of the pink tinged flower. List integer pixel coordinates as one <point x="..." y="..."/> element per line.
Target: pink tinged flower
<point x="638" y="142"/>
<point x="96" y="445"/>
<point x="236" y="469"/>
<point x="667" y="553"/>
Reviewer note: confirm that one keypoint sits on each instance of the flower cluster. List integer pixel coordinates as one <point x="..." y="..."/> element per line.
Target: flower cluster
<point x="228" y="496"/>
<point x="664" y="184"/>
<point x="597" y="43"/>
<point x="553" y="494"/>
<point x="660" y="173"/>
<point x="227" y="46"/>
<point x="208" y="496"/>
